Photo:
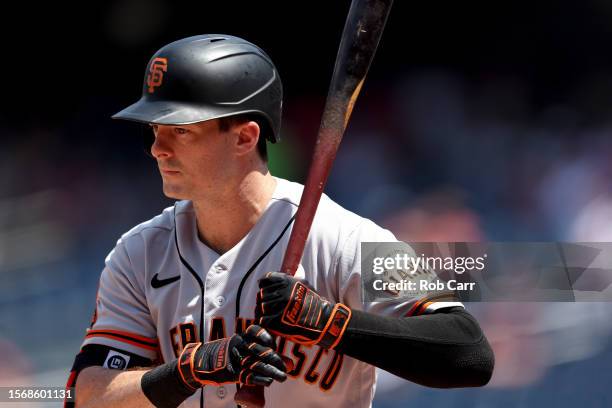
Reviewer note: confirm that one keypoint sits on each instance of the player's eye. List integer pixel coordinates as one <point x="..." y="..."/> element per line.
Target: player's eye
<point x="180" y="131"/>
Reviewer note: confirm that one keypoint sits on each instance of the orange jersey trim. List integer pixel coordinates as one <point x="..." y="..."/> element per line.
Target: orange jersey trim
<point x="420" y="306"/>
<point x="126" y="337"/>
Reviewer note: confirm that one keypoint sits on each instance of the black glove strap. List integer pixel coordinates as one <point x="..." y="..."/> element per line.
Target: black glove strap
<point x="338" y="321"/>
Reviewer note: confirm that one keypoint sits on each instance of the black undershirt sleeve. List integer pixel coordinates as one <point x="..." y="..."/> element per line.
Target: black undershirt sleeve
<point x="444" y="349"/>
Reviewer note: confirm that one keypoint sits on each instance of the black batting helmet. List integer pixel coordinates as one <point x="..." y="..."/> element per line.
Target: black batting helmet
<point x="206" y="77"/>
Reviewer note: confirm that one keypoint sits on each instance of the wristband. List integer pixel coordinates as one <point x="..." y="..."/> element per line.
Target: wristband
<point x="163" y="386"/>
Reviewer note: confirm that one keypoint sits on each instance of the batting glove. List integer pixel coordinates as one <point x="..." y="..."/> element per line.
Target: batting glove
<point x="247" y="359"/>
<point x="288" y="307"/>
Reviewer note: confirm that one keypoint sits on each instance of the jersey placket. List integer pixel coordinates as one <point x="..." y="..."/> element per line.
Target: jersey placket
<point x="218" y="307"/>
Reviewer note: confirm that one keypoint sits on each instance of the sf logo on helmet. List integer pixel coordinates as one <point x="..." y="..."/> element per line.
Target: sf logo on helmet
<point x="157" y="69"/>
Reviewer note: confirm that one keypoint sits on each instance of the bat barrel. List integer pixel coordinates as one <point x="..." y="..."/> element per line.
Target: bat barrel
<point x="362" y="31"/>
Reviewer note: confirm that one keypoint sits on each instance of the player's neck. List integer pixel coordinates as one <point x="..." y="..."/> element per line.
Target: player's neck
<point x="224" y="222"/>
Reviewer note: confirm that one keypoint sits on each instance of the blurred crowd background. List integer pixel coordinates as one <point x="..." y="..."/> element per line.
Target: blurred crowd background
<point x="478" y="121"/>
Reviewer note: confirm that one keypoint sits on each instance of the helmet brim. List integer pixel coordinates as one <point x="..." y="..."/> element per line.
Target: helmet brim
<point x="167" y="113"/>
<point x="172" y="113"/>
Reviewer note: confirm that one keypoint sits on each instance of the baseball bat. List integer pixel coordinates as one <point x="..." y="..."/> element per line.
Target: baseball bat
<point x="362" y="32"/>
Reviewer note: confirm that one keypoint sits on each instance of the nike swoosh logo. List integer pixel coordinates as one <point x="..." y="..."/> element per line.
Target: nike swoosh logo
<point x="158" y="283"/>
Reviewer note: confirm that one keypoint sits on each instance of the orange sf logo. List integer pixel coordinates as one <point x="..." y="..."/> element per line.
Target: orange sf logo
<point x="157" y="69"/>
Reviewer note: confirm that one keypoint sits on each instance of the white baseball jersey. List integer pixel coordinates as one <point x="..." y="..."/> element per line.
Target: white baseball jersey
<point x="162" y="288"/>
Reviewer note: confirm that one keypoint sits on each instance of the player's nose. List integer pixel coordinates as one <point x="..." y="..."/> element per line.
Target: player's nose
<point x="161" y="143"/>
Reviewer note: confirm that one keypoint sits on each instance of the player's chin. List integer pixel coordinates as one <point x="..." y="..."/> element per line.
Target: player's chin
<point x="174" y="191"/>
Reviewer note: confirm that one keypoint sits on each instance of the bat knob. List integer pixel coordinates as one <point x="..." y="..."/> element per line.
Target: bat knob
<point x="249" y="396"/>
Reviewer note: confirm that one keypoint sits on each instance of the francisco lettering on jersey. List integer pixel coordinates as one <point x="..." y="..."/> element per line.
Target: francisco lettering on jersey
<point x="306" y="366"/>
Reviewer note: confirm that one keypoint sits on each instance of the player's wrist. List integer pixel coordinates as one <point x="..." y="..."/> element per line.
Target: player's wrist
<point x="164" y="387"/>
<point x="335" y="328"/>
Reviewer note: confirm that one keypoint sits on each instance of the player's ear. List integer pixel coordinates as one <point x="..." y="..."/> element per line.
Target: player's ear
<point x="248" y="134"/>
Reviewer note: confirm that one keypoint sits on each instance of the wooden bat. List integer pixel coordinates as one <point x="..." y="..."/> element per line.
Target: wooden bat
<point x="362" y="31"/>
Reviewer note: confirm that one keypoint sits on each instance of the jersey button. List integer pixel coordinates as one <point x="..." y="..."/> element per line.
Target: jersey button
<point x="220" y="300"/>
<point x="221" y="392"/>
<point x="221" y="268"/>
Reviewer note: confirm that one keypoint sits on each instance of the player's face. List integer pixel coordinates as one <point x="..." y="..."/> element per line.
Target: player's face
<point x="194" y="160"/>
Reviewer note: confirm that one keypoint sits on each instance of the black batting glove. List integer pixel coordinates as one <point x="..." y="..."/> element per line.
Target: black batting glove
<point x="288" y="307"/>
<point x="246" y="359"/>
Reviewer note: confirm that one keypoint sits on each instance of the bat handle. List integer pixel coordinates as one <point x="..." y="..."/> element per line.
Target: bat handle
<point x="250" y="396"/>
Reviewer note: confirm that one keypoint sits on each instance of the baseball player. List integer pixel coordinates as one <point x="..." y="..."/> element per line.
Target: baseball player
<point x="187" y="301"/>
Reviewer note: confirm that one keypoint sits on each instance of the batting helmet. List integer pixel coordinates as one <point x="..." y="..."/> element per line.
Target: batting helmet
<point x="206" y="77"/>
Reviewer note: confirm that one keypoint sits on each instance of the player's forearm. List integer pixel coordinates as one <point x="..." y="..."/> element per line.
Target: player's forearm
<point x="443" y="350"/>
<point x="102" y="387"/>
